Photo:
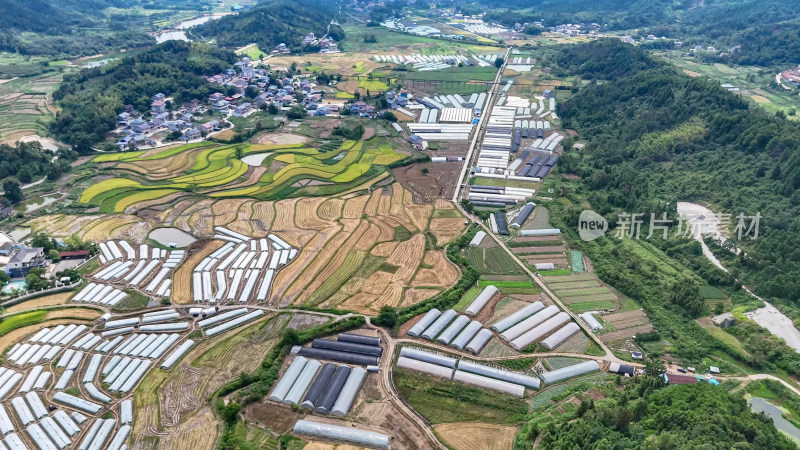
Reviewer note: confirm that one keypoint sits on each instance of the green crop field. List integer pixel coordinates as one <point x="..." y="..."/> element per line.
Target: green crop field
<point x="712" y="293"/>
<point x="582" y="307"/>
<point x="579" y="292"/>
<point x="577" y="261"/>
<point x="505" y="284"/>
<point x="211" y="168"/>
<point x="491" y="260"/>
<point x="15" y="321"/>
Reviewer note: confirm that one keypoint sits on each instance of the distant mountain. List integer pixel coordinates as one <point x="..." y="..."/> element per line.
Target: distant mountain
<point x="272" y="22"/>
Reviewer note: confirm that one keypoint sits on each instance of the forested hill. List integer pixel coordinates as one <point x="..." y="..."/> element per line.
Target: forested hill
<point x="91" y="99"/>
<point x="64" y="27"/>
<point x="658" y="136"/>
<point x="675" y="417"/>
<point x="768" y="31"/>
<point x="272" y="22"/>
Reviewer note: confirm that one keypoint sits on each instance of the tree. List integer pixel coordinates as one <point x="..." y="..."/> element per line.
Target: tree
<point x="12" y="189"/>
<point x="4" y="278"/>
<point x="296" y="112"/>
<point x="272" y="109"/>
<point x="387" y="317"/>
<point x="54" y="255"/>
<point x="388" y="115"/>
<point x="239" y="151"/>
<point x="498" y="62"/>
<point x="654" y="368"/>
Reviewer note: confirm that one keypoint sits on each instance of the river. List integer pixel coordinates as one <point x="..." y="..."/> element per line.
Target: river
<point x="705" y="222"/>
<point x="758" y="404"/>
<point x="177" y="32"/>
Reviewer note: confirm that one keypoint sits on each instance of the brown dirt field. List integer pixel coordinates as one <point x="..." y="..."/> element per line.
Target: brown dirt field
<point x="74" y="313"/>
<point x="407" y="257"/>
<point x="354" y="207"/>
<point x="691" y="73"/>
<point x="624" y="334"/>
<point x="305" y="215"/>
<point x="39" y="302"/>
<point x="12" y="138"/>
<point x="546" y="249"/>
<point x="443" y="273"/>
<point x="501" y="312"/>
<point x="384" y="249"/>
<point x="14" y="336"/>
<point x="625" y="316"/>
<point x="477" y="436"/>
<point x="331" y="209"/>
<point x="279" y="138"/>
<point x="369" y="133"/>
<point x="439" y="182"/>
<point x="168" y="199"/>
<point x="441" y="203"/>
<point x="314" y="445"/>
<point x="760" y="98"/>
<point x="182" y="278"/>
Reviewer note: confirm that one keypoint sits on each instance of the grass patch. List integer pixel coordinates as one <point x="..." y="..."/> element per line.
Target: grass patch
<point x="556" y="272"/>
<point x="591" y="306"/>
<point x="729" y="340"/>
<point x="401" y="233"/>
<point x="505" y="284"/>
<point x="712" y="293"/>
<point x="442" y="401"/>
<point x="22" y="319"/>
<point x="133" y="302"/>
<point x="467" y="298"/>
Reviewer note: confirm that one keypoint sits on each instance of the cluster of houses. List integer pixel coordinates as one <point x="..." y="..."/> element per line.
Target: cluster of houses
<point x="136" y="129"/>
<point x="17" y="260"/>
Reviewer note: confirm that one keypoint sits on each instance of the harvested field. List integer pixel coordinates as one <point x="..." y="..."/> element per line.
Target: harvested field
<point x="477" y="436"/>
<point x="627" y="319"/>
<point x="413" y="296"/>
<point x="407" y="257"/>
<point x="74" y="313"/>
<point x="182" y="278"/>
<point x="446" y="229"/>
<point x="443" y="273"/>
<point x="196" y="433"/>
<point x="39" y="302"/>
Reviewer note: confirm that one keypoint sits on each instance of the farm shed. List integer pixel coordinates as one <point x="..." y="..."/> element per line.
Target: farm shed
<point x="479" y="341"/>
<point x="288" y="379"/>
<point x="318" y="386"/>
<point x="347" y="434"/>
<point x="527" y="324"/>
<point x="541" y="232"/>
<point x="333" y="390"/>
<point x="437" y="326"/>
<point x="477" y="239"/>
<point x="359" y="339"/>
<point x="518" y="316"/>
<point x="570" y="372"/>
<point x="481" y="300"/>
<point x="348" y="347"/>
<point x="564" y="333"/>
<point x="334" y="355"/>
<point x="451" y="331"/>
<point x="502" y="224"/>
<point x="540" y="331"/>
<point x="621" y="369"/>
<point x="425" y="367"/>
<point x="589" y="319"/>
<point x="523" y="215"/>
<point x="466" y="335"/>
<point x="424" y="322"/>
<point x="349" y="392"/>
<point x="499" y="374"/>
<point x="302" y="382"/>
<point x="433" y="358"/>
<point x="489" y="383"/>
<point x="544" y="266"/>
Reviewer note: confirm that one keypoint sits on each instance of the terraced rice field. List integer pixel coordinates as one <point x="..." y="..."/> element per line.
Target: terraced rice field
<point x="215" y="171"/>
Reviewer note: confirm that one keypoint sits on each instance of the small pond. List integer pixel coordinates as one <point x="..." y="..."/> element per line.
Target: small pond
<point x="169" y="236"/>
<point x="758" y="404"/>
